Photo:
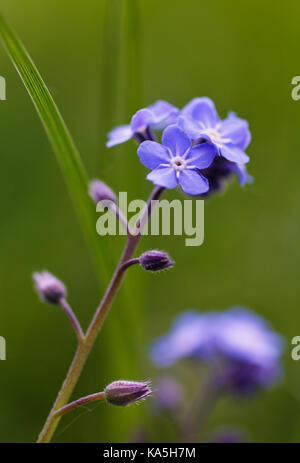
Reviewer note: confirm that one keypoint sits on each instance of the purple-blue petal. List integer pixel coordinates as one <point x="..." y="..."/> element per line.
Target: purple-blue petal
<point x="189" y="336"/>
<point x="243" y="335"/>
<point x="192" y="182"/>
<point x="202" y="110"/>
<point x="237" y="130"/>
<point x="234" y="154"/>
<point x="119" y="135"/>
<point x="202" y="155"/>
<point x="190" y="126"/>
<point x="242" y="174"/>
<point x="164" y="114"/>
<point x="176" y="140"/>
<point x="141" y="120"/>
<point x="152" y="154"/>
<point x="163" y="176"/>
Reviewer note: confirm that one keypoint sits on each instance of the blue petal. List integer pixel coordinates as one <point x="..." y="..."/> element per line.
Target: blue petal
<point x="202" y="155"/>
<point x="163" y="176"/>
<point x="164" y="114"/>
<point x="244" y="335"/>
<point x="192" y="182"/>
<point x="190" y="126"/>
<point x="234" y="154"/>
<point x="189" y="336"/>
<point x="141" y="120"/>
<point x="176" y="140"/>
<point x="119" y="135"/>
<point x="153" y="154"/>
<point x="237" y="130"/>
<point x="203" y="110"/>
<point x="242" y="174"/>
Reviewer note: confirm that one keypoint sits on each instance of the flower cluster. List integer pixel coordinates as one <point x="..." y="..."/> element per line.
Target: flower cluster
<point x="239" y="343"/>
<point x="198" y="150"/>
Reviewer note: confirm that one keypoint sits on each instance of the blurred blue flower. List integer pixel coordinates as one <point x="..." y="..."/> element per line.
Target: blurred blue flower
<point x="156" y="116"/>
<point x="169" y="395"/>
<point x="241" y="345"/>
<point x="229" y="436"/>
<point x="176" y="161"/>
<point x="200" y="121"/>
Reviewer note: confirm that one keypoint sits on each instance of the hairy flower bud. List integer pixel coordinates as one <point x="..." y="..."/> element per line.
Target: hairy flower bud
<point x="124" y="393"/>
<point x="155" y="261"/>
<point x="99" y="191"/>
<point x="49" y="288"/>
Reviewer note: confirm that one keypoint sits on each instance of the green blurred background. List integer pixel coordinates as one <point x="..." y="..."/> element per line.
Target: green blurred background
<point x="101" y="63"/>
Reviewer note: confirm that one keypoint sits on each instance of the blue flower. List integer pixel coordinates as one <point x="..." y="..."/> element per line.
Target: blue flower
<point x="176" y="161"/>
<point x="200" y="121"/>
<point x="240" y="344"/>
<point x="156" y="116"/>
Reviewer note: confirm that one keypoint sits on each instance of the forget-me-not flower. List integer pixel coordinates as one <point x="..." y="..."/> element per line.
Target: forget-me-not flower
<point x="176" y="161"/>
<point x="200" y="121"/>
<point x="156" y="116"/>
<point x="242" y="344"/>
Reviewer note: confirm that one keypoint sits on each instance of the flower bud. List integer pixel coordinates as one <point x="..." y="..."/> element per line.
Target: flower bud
<point x="124" y="393"/>
<point x="48" y="287"/>
<point x="155" y="261"/>
<point x="99" y="191"/>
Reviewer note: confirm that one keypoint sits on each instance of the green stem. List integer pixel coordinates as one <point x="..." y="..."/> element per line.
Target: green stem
<point x="88" y="341"/>
<point x="200" y="410"/>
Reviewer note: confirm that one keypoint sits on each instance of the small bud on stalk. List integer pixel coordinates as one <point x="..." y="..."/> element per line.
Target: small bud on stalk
<point x="155" y="261"/>
<point x="99" y="191"/>
<point x="124" y="393"/>
<point x="49" y="288"/>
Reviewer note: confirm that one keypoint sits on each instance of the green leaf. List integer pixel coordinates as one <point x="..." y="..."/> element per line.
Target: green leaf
<point x="60" y="138"/>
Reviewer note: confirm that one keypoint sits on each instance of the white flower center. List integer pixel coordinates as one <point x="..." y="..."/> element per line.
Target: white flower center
<point x="178" y="163"/>
<point x="215" y="136"/>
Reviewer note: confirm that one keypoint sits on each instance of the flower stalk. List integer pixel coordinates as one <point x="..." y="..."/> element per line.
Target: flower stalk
<point x="72" y="317"/>
<point x="87" y="341"/>
<point x="79" y="402"/>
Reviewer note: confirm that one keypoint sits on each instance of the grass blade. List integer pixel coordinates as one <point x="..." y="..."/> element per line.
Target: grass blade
<point x="59" y="136"/>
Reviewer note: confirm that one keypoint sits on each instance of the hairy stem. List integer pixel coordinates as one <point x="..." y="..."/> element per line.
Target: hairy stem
<point x="79" y="402"/>
<point x="86" y="344"/>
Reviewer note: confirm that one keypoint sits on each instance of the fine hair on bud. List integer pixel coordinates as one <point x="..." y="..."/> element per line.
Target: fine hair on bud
<point x="48" y="287"/>
<point x="123" y="393"/>
<point x="154" y="261"/>
<point x="99" y="191"/>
